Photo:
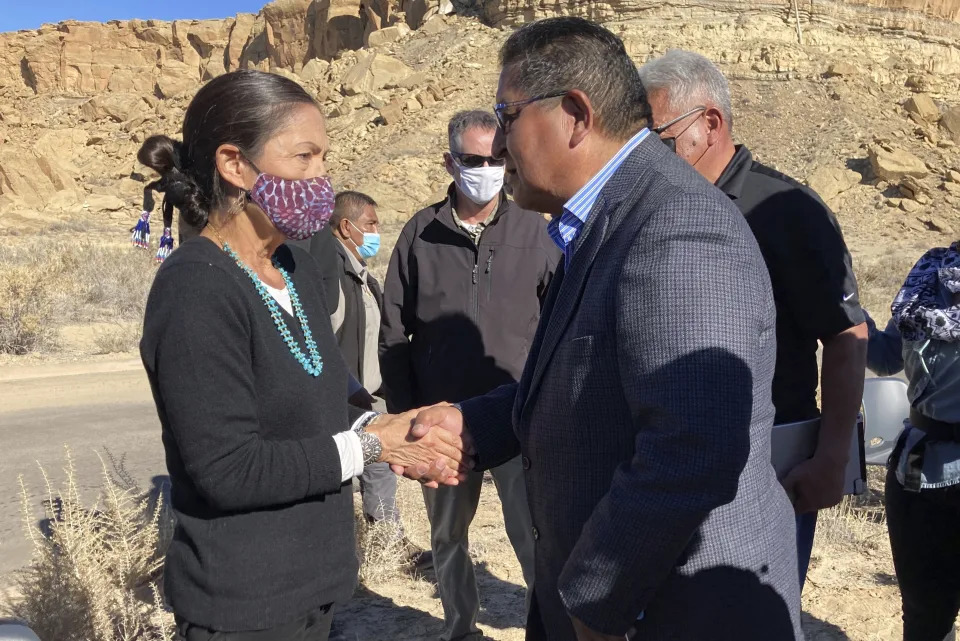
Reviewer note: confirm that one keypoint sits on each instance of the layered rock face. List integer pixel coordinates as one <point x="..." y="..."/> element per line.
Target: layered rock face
<point x="894" y="14"/>
<point x="166" y="58"/>
<point x="77" y="99"/>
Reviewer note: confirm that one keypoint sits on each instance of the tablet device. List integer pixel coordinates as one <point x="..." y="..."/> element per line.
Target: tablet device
<point x="793" y="443"/>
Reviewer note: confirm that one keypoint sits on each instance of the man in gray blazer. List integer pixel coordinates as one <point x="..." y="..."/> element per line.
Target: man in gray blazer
<point x="643" y="415"/>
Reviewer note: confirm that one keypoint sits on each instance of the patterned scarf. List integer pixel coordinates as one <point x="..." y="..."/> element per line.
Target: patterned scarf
<point x="918" y="309"/>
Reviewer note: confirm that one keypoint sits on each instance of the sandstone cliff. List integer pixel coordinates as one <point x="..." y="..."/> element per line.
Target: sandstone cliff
<point x="77" y="99"/>
<point x="166" y="58"/>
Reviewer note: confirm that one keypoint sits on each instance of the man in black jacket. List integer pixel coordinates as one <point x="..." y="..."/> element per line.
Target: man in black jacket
<point x="461" y="304"/>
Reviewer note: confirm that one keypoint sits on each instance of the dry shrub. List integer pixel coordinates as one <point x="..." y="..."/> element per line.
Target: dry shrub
<point x="117" y="338"/>
<point x="95" y="571"/>
<point x="382" y="546"/>
<point x="110" y="281"/>
<point x="44" y="284"/>
<point x="31" y="291"/>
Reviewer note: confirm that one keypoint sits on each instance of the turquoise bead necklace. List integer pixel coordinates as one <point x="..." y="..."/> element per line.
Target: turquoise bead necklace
<point x="312" y="364"/>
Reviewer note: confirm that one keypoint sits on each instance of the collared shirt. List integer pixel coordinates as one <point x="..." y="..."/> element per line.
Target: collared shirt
<point x="565" y="228"/>
<point x="475" y="230"/>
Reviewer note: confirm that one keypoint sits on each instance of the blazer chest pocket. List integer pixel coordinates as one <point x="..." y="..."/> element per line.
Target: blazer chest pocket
<point x="584" y="364"/>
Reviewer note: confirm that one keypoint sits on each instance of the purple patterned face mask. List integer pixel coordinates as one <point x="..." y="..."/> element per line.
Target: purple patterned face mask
<point x="297" y="208"/>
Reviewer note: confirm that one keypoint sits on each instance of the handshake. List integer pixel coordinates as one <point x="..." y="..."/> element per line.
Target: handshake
<point x="429" y="444"/>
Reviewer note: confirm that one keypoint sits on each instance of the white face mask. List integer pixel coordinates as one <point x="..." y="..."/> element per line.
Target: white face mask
<point x="481" y="185"/>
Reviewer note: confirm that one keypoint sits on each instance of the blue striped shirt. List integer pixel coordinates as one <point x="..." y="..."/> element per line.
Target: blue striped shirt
<point x="565" y="228"/>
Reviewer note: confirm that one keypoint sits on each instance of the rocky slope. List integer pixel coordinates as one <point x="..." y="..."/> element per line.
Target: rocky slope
<point x="847" y="109"/>
<point x="164" y="58"/>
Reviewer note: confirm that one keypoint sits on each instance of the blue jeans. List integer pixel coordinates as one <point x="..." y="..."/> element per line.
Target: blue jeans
<point x="806" y="529"/>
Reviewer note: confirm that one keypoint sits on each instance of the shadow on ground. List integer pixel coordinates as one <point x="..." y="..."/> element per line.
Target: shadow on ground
<point x="815" y="629"/>
<point x="393" y="621"/>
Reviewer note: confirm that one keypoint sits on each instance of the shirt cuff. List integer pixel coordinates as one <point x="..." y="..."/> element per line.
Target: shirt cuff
<point x="351" y="454"/>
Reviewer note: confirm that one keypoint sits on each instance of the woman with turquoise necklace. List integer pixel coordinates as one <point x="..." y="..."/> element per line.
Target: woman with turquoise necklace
<point x="249" y="384"/>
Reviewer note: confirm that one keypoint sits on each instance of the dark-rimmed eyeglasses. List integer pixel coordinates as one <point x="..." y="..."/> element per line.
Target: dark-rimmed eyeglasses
<point x="473" y="161"/>
<point x="504" y="119"/>
<point x="671" y="141"/>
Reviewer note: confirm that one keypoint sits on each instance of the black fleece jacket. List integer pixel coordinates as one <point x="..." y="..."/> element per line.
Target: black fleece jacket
<point x="459" y="317"/>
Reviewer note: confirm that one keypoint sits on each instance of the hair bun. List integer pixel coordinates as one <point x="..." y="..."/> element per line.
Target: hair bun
<point x="161" y="153"/>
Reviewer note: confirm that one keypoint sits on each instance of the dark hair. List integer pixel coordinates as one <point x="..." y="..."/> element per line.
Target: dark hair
<point x="463" y="120"/>
<point x="561" y="54"/>
<point x="243" y="108"/>
<point x="349" y="205"/>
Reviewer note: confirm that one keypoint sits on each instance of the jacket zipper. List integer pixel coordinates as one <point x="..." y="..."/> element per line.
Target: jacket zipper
<point x="489" y="274"/>
<point x="476" y="279"/>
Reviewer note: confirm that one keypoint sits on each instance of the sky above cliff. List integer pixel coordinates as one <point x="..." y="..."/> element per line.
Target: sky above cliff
<point x="30" y="14"/>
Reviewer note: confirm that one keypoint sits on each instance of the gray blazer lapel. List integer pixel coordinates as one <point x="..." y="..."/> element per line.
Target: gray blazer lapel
<point x="568" y="296"/>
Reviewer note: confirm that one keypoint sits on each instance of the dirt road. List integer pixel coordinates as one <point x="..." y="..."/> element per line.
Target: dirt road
<point x="90" y="407"/>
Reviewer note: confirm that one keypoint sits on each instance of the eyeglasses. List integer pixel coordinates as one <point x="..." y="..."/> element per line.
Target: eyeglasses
<point x="473" y="161"/>
<point x="671" y="141"/>
<point x="504" y="118"/>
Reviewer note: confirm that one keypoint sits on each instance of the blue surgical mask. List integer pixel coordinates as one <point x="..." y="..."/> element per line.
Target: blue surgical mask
<point x="371" y="243"/>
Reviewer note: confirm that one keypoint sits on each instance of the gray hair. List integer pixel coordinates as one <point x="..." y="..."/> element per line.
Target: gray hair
<point x="689" y="80"/>
<point x="562" y="54"/>
<point x="463" y="120"/>
<point x="349" y="205"/>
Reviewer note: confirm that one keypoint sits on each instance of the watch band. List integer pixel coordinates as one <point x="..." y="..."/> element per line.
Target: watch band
<point x="371" y="447"/>
<point x="367" y="420"/>
<point x="370" y="444"/>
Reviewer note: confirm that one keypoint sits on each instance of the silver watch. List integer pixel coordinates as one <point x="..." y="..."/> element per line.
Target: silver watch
<point x="370" y="444"/>
<point x="371" y="447"/>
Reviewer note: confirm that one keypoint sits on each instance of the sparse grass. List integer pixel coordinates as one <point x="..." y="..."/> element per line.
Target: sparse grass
<point x="859" y="522"/>
<point x="111" y="280"/>
<point x="880" y="278"/>
<point x="95" y="568"/>
<point x="852" y="525"/>
<point x="72" y="226"/>
<point x="380" y="546"/>
<point x="117" y="338"/>
<point x="44" y="284"/>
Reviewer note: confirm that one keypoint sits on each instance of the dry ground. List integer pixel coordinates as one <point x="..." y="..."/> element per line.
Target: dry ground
<point x="851" y="592"/>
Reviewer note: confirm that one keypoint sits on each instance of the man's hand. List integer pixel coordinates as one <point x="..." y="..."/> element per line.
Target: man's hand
<point x="586" y="634"/>
<point x="443" y="418"/>
<point x="431" y="453"/>
<point x="815" y="484"/>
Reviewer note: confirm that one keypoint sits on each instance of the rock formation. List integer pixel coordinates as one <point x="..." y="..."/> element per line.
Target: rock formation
<point x="77" y="99"/>
<point x="164" y="58"/>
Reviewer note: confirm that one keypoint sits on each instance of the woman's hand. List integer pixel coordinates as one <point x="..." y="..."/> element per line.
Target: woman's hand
<point x="437" y="456"/>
